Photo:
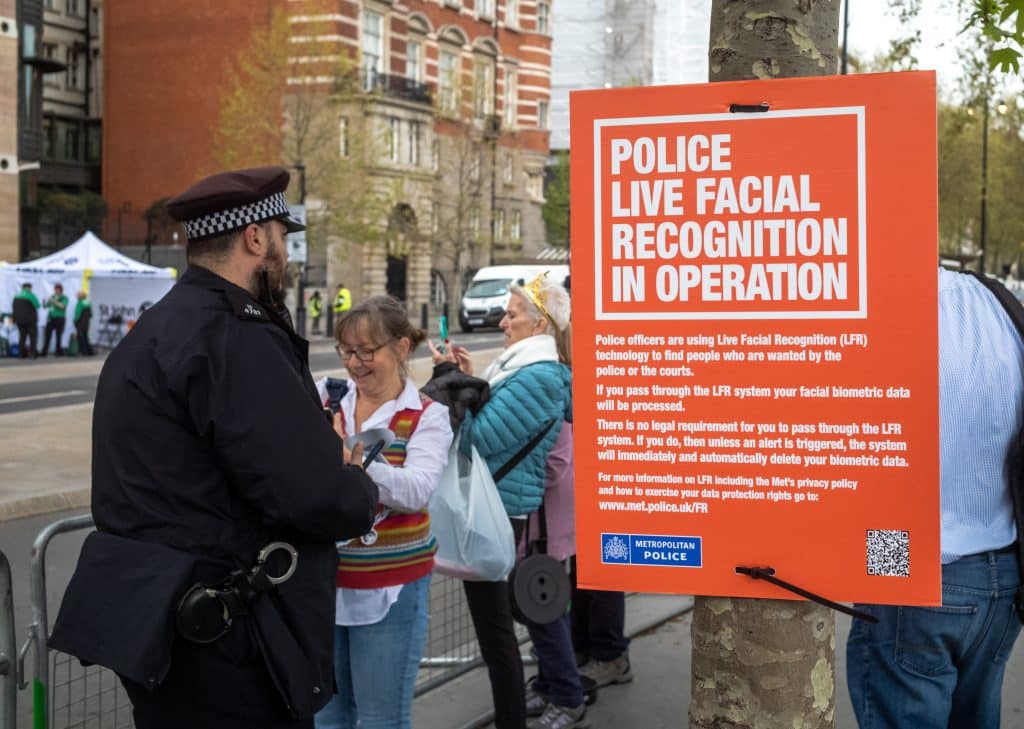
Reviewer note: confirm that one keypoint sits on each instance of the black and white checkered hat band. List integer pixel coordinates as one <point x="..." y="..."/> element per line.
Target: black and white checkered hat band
<point x="224" y="221"/>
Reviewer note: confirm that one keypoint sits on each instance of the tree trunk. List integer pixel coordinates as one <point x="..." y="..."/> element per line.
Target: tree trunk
<point x="762" y="664"/>
<point x="753" y="39"/>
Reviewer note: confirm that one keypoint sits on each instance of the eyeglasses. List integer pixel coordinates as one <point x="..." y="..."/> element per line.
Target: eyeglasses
<point x="363" y="354"/>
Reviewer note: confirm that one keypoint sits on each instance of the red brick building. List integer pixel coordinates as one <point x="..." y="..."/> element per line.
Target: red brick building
<point x="458" y="89"/>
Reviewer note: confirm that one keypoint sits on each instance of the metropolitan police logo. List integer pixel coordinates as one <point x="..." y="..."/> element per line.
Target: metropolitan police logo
<point x="614" y="549"/>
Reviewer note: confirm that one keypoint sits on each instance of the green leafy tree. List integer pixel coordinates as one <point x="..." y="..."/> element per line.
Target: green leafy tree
<point x="1002" y="22"/>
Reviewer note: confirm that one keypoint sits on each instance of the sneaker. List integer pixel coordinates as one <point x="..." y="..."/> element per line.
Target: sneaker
<point x="536" y="702"/>
<point x="603" y="673"/>
<point x="589" y="690"/>
<point x="561" y="717"/>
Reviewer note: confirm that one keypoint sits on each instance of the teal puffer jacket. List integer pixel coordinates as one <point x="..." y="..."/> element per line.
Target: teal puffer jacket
<point x="520" y="407"/>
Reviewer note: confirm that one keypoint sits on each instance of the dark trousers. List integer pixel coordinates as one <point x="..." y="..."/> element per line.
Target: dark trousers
<point x="82" y="332"/>
<point x="222" y="685"/>
<point x="557" y="676"/>
<point x="27" y="335"/>
<point x="491" y="610"/>
<point x="598" y="621"/>
<point x="53" y="324"/>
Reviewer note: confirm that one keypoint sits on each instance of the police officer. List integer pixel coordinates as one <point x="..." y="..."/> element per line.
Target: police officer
<point x="215" y="476"/>
<point x="315" y="309"/>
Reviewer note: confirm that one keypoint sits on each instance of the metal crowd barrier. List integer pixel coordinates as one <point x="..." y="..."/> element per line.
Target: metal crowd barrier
<point x="8" y="667"/>
<point x="67" y="695"/>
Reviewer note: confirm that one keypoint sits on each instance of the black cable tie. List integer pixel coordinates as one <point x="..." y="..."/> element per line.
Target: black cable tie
<point x="768" y="575"/>
<point x="748" y="108"/>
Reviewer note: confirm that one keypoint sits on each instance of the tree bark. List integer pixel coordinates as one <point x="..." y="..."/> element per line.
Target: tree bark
<point x="756" y="39"/>
<point x="762" y="664"/>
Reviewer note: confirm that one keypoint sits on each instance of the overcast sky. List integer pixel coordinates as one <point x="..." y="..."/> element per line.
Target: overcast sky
<point x="872" y="26"/>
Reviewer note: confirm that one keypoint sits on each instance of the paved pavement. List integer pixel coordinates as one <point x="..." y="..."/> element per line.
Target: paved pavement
<point x="44" y="463"/>
<point x="45" y="453"/>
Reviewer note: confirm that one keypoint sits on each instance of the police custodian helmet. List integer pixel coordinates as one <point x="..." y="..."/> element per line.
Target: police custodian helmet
<point x="229" y="201"/>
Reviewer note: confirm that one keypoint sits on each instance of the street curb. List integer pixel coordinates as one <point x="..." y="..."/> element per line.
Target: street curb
<point x="77" y="498"/>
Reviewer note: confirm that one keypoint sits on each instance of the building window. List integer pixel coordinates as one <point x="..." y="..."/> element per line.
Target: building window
<point x="71" y="146"/>
<point x="542" y="115"/>
<point x="414" y="61"/>
<point x="49" y="137"/>
<point x="515" y="225"/>
<point x="485" y="9"/>
<point x="372" y="61"/>
<point x="512" y="13"/>
<point x="499" y="225"/>
<point x="75" y="8"/>
<point x="474" y="224"/>
<point x="511" y="99"/>
<point x="435" y="155"/>
<point x="435" y="218"/>
<point x="31" y="110"/>
<point x="506" y="170"/>
<point x="73" y="77"/>
<point x="51" y="5"/>
<point x="543" y="18"/>
<point x="535" y="187"/>
<point x="414" y="133"/>
<point x="474" y="164"/>
<point x="343" y="136"/>
<point x="393" y="138"/>
<point x="483" y="88"/>
<point x="93" y="144"/>
<point x="447" y="82"/>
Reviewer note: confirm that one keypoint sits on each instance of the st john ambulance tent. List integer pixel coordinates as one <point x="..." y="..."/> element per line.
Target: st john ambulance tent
<point x="120" y="287"/>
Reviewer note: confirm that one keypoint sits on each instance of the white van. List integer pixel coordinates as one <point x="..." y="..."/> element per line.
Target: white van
<point x="486" y="299"/>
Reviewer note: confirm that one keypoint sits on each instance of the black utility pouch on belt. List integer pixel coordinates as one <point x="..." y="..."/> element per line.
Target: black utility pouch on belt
<point x="118" y="610"/>
<point x="1015" y="453"/>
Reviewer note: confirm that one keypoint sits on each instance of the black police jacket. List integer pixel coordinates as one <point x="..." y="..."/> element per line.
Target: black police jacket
<point x="209" y="442"/>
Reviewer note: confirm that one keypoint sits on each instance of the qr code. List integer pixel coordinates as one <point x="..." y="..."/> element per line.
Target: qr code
<point x="888" y="553"/>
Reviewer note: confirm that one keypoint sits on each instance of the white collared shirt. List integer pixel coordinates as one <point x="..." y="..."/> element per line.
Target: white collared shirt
<point x="407" y="488"/>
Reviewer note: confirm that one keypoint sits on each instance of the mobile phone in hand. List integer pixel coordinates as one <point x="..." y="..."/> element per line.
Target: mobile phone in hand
<point x="443" y="329"/>
<point x="373" y="453"/>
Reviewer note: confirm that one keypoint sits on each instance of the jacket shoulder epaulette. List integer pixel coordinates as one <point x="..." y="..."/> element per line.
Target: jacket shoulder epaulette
<point x="245" y="308"/>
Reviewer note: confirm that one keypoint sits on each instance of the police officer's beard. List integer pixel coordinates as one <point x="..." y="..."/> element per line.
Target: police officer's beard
<point x="268" y="281"/>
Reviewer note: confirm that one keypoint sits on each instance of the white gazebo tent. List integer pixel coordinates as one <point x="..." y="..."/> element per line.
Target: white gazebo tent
<point x="119" y="286"/>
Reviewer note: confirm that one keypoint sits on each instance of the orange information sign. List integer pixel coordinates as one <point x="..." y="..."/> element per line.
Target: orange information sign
<point x="756" y="357"/>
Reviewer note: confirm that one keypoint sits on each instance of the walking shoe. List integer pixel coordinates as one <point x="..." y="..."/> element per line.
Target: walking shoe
<point x="561" y="717"/>
<point x="589" y="690"/>
<point x="536" y="702"/>
<point x="603" y="673"/>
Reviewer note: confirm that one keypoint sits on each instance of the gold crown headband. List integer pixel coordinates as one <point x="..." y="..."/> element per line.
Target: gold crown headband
<point x="532" y="290"/>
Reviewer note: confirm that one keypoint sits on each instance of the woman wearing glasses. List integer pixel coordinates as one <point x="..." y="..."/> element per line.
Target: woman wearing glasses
<point x="383" y="577"/>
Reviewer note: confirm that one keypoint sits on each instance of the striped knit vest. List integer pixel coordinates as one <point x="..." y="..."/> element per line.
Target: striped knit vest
<point x="404" y="550"/>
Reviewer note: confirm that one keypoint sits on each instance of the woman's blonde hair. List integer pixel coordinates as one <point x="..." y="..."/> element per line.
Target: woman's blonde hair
<point x="548" y="300"/>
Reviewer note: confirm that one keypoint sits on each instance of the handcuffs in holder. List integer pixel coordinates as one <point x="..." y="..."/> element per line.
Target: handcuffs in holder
<point x="206" y="611"/>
